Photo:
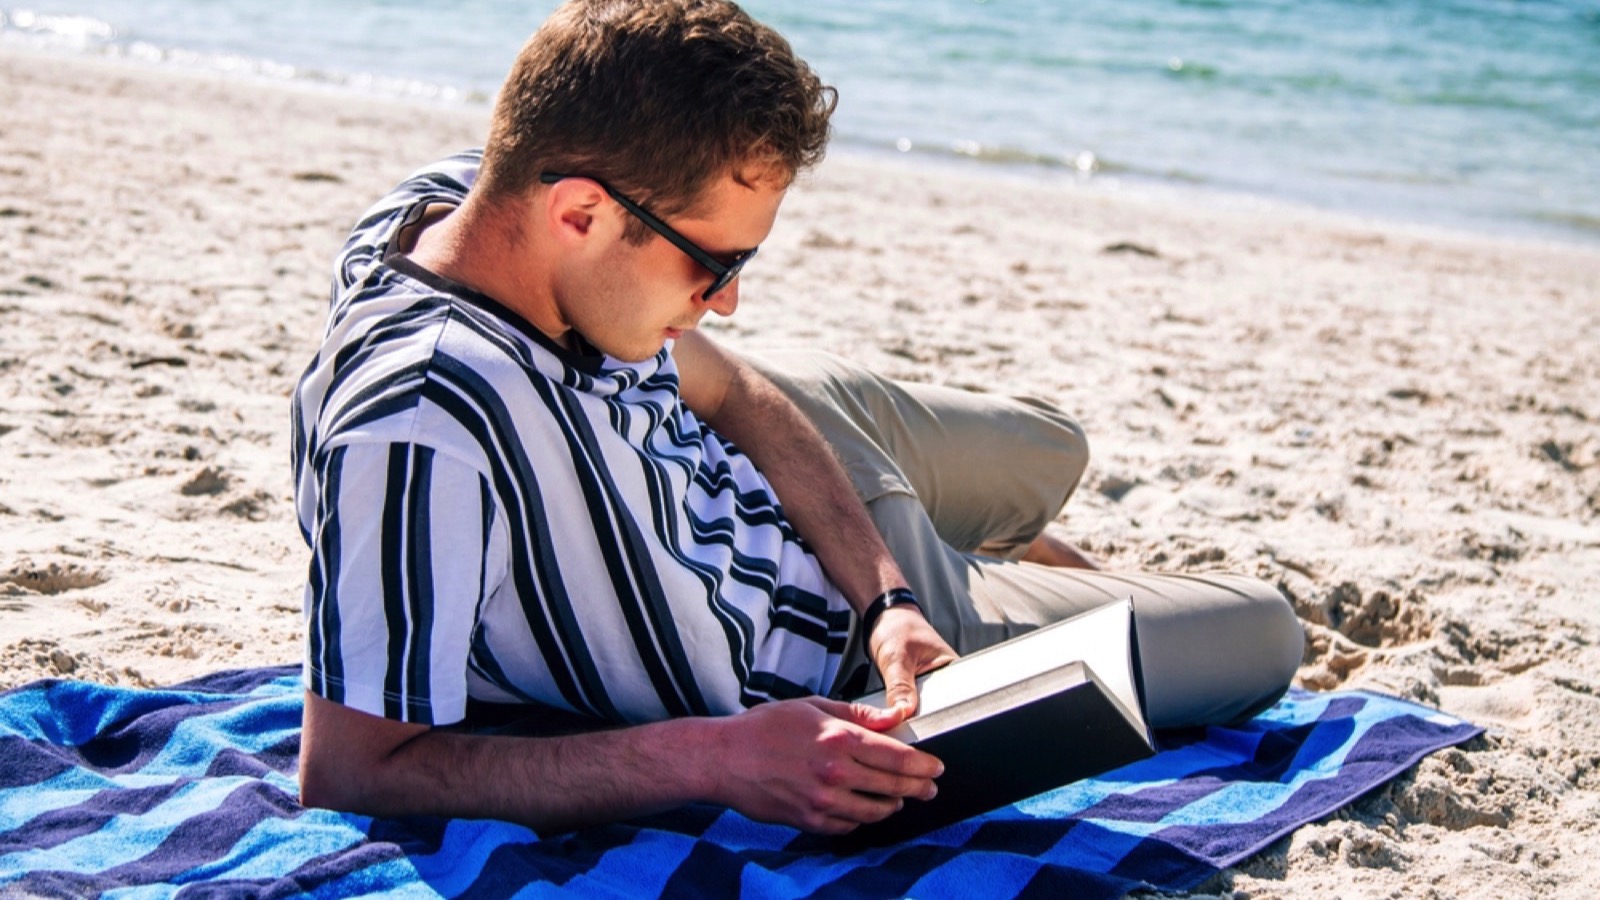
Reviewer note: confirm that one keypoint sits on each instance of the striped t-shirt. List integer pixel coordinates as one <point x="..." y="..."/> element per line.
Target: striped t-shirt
<point x="493" y="516"/>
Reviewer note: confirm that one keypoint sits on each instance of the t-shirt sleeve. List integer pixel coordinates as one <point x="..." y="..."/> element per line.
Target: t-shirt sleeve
<point x="404" y="554"/>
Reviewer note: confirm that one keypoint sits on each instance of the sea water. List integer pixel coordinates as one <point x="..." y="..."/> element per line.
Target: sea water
<point x="1483" y="114"/>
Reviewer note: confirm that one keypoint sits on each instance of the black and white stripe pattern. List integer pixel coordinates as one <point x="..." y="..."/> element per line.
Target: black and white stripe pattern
<point x="493" y="516"/>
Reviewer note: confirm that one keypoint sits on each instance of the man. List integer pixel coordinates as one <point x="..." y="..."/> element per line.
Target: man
<point x="526" y="479"/>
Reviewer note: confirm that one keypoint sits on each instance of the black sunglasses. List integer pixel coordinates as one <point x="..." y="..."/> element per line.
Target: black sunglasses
<point x="723" y="272"/>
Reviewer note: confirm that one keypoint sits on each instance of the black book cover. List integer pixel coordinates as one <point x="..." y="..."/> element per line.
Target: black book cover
<point x="1043" y="730"/>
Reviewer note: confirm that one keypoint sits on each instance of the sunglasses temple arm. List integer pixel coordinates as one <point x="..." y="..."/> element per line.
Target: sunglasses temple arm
<point x="677" y="240"/>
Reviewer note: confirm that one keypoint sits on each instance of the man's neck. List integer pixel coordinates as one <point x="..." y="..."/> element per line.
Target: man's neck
<point x="476" y="248"/>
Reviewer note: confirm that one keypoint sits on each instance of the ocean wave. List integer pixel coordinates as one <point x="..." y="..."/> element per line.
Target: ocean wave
<point x="57" y="30"/>
<point x="93" y="37"/>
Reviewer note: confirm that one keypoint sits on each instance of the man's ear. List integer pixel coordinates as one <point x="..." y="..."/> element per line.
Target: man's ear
<point x="571" y="209"/>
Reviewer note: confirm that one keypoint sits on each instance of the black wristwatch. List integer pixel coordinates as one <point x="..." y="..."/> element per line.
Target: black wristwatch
<point x="900" y="596"/>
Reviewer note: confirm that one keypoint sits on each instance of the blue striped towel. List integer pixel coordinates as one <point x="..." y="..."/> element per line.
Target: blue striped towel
<point x="190" y="792"/>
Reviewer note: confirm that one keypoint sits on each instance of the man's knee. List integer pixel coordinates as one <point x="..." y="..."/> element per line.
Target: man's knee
<point x="1287" y="636"/>
<point x="1225" y="653"/>
<point x="1277" y="646"/>
<point x="1061" y="436"/>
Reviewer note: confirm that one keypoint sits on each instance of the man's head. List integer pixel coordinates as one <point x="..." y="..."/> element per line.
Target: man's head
<point x="658" y="99"/>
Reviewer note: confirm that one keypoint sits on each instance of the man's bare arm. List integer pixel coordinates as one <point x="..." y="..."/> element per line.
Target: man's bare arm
<point x="745" y="407"/>
<point x="814" y="764"/>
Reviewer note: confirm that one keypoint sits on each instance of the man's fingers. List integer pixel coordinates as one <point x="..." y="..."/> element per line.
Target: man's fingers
<point x="888" y="755"/>
<point x="877" y="751"/>
<point x="889" y="784"/>
<point x="857" y="808"/>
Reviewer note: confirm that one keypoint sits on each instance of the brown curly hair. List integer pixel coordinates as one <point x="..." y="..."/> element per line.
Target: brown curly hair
<point x="657" y="98"/>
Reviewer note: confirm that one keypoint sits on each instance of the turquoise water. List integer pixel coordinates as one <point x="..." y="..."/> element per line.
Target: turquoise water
<point x="1482" y="114"/>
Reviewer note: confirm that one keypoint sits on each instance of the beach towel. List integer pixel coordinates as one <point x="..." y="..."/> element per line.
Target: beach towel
<point x="190" y="792"/>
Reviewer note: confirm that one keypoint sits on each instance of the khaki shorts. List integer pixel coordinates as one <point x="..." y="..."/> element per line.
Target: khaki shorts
<point x="960" y="484"/>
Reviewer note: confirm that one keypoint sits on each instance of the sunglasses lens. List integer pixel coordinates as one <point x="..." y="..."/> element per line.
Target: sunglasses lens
<point x="728" y="275"/>
<point x="719" y="284"/>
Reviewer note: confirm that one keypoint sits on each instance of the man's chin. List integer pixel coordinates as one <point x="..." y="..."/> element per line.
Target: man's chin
<point x="635" y="354"/>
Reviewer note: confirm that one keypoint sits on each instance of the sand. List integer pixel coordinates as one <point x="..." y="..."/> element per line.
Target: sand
<point x="1397" y="425"/>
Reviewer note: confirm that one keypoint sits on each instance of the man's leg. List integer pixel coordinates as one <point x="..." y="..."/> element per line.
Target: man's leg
<point x="1214" y="648"/>
<point x="991" y="470"/>
<point x="945" y="473"/>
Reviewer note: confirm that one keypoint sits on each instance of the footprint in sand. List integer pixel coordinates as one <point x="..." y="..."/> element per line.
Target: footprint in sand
<point x="55" y="578"/>
<point x="208" y="482"/>
<point x="1375" y="618"/>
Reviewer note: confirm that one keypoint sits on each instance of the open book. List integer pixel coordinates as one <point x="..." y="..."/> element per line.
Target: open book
<point x="1024" y="716"/>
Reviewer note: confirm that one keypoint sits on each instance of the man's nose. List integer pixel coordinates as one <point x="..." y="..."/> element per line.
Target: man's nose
<point x="725" y="301"/>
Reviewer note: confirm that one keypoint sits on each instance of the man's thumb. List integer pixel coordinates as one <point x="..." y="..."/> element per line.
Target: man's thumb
<point x="900" y="690"/>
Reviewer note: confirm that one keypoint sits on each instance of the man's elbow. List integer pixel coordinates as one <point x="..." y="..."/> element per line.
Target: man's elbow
<point x="347" y="755"/>
<point x="323" y="786"/>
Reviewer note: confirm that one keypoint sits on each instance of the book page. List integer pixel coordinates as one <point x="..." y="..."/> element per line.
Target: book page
<point x="1098" y="638"/>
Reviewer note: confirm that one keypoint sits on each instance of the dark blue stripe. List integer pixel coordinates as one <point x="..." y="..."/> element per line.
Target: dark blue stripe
<point x="483" y="662"/>
<point x="511" y="867"/>
<point x="1277" y="753"/>
<point x="1054" y="882"/>
<point x="893" y="876"/>
<point x="834" y="627"/>
<point x="26" y="763"/>
<point x="299" y="441"/>
<point x="326" y="634"/>
<point x="55" y="827"/>
<point x="282" y="758"/>
<point x="765" y="686"/>
<point x="708" y="871"/>
<point x="311" y="879"/>
<point x="237" y="681"/>
<point x="392" y="575"/>
<point x="420" y="598"/>
<point x="208" y="836"/>
<point x="481" y="657"/>
<point x="802" y="626"/>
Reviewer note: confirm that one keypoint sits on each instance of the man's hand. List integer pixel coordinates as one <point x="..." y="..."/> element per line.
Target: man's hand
<point x="818" y="765"/>
<point x="904" y="645"/>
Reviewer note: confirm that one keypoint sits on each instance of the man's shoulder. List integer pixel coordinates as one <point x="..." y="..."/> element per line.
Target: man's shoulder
<point x="446" y="181"/>
<point x="398" y="333"/>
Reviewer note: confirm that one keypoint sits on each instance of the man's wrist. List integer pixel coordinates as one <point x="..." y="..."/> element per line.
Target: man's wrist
<point x="893" y="597"/>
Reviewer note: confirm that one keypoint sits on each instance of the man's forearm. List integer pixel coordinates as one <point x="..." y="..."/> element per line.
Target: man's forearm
<point x="817" y="496"/>
<point x="546" y="783"/>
